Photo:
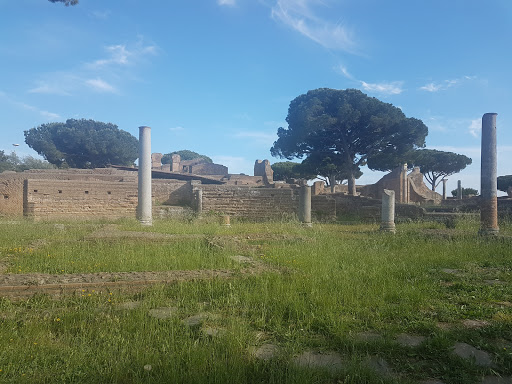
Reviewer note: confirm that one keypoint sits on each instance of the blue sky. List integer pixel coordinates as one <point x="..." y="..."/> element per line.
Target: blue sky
<point x="217" y="76"/>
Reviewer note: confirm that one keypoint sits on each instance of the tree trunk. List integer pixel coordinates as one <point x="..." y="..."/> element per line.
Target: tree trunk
<point x="351" y="185"/>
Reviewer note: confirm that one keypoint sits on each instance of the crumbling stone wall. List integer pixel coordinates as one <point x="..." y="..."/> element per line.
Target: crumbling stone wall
<point x="262" y="168"/>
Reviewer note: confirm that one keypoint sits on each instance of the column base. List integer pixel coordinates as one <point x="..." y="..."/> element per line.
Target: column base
<point x="489" y="231"/>
<point x="388" y="227"/>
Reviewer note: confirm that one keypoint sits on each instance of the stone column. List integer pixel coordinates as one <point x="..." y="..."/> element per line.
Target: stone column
<point x="388" y="211"/>
<point x="459" y="190"/>
<point x="305" y="205"/>
<point x="444" y="188"/>
<point x="198" y="196"/>
<point x="488" y="177"/>
<point x="144" y="213"/>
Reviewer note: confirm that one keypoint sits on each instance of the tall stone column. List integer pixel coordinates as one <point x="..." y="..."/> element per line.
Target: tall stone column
<point x="489" y="177"/>
<point x="444" y="188"/>
<point x="459" y="190"/>
<point x="144" y="207"/>
<point x="305" y="205"/>
<point x="388" y="211"/>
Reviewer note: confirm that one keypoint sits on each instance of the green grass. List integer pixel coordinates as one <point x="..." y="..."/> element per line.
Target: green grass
<point x="328" y="283"/>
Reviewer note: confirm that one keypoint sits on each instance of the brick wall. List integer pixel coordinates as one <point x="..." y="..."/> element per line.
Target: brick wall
<point x="47" y="199"/>
<point x="252" y="203"/>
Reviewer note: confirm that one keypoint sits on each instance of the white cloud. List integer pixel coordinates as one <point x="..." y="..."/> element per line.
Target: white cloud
<point x="475" y="127"/>
<point x="444" y="85"/>
<point x="100" y="85"/>
<point x="102" y="15"/>
<point x="98" y="75"/>
<point x="298" y="15"/>
<point x="393" y="88"/>
<point x="121" y="55"/>
<point x="344" y="71"/>
<point x="176" y="129"/>
<point x="226" y="2"/>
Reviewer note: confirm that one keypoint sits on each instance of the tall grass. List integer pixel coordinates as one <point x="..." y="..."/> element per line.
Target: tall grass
<point x="328" y="284"/>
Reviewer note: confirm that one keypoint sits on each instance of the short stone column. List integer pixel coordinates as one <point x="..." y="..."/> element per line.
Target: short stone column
<point x="305" y="205"/>
<point x="225" y="221"/>
<point x="488" y="177"/>
<point x="144" y="207"/>
<point x="459" y="190"/>
<point x="388" y="211"/>
<point x="444" y="188"/>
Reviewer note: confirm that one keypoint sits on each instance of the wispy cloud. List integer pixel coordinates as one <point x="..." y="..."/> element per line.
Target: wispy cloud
<point x="102" y="15"/>
<point x="121" y="55"/>
<point x="100" y="85"/>
<point x="445" y="84"/>
<point x="103" y="75"/>
<point x="300" y="16"/>
<point x="383" y="88"/>
<point x="393" y="88"/>
<point x="226" y="2"/>
<point x="475" y="127"/>
<point x="49" y="116"/>
<point x="176" y="129"/>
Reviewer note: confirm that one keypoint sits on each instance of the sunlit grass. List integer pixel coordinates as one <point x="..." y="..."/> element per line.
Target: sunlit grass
<point x="327" y="284"/>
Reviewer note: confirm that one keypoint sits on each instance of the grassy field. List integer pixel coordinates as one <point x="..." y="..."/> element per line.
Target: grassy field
<point x="328" y="286"/>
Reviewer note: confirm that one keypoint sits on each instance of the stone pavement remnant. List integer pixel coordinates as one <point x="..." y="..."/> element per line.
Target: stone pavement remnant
<point x="468" y="352"/>
<point x="265" y="352"/>
<point x="330" y="361"/>
<point x="305" y="205"/>
<point x="388" y="211"/>
<point x="144" y="207"/>
<point x="379" y="365"/>
<point x="475" y="324"/>
<point x="406" y="340"/>
<point x="163" y="312"/>
<point x="195" y="321"/>
<point x="489" y="177"/>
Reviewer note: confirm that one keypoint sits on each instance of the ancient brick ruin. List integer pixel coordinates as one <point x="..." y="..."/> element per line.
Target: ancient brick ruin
<point x="112" y="193"/>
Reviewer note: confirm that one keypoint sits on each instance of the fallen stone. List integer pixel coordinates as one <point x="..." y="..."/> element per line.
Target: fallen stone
<point x="163" y="312"/>
<point x="265" y="352"/>
<point x="242" y="259"/>
<point x="450" y="271"/>
<point x="212" y="332"/>
<point x="475" y="324"/>
<point x="494" y="282"/>
<point x="409" y="340"/>
<point x="379" y="365"/>
<point x="330" y="361"/>
<point x="195" y="321"/>
<point x="468" y="352"/>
